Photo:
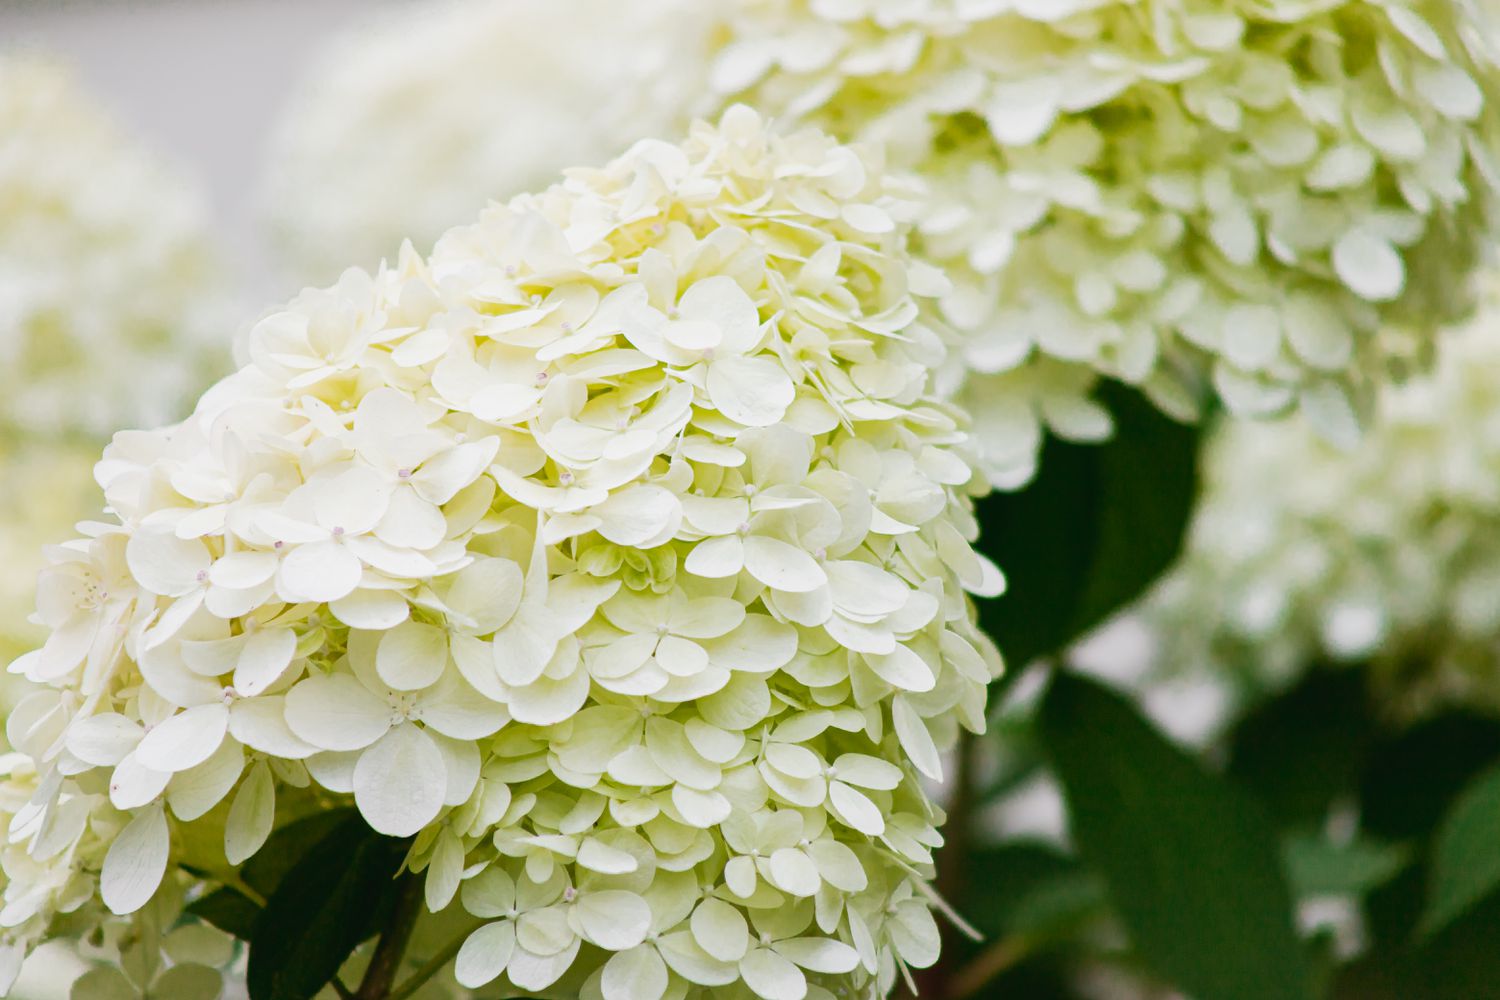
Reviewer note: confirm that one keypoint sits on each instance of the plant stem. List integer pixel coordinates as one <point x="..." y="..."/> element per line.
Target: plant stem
<point x="429" y="968"/>
<point x="386" y="962"/>
<point x="997" y="958"/>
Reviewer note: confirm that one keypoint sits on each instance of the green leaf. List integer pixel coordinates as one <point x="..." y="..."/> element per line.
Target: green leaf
<point x="288" y="845"/>
<point x="1411" y="780"/>
<point x="1029" y="889"/>
<point x="1091" y="533"/>
<point x="1318" y="867"/>
<point x="1192" y="866"/>
<point x="1466" y="861"/>
<point x="321" y="911"/>
<point x="228" y="910"/>
<point x="1305" y="748"/>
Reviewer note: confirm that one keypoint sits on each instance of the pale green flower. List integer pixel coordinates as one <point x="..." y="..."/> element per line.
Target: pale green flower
<point x="1301" y="553"/>
<point x="108" y="292"/>
<point x="1277" y="197"/>
<point x="618" y="552"/>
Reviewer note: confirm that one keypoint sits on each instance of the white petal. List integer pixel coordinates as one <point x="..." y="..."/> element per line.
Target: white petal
<point x="321" y="571"/>
<point x="452" y="707"/>
<point x="412" y="656"/>
<point x="903" y="669"/>
<point x="375" y="610"/>
<point x="815" y="954"/>
<point x="185" y="740"/>
<point x="485" y="954"/>
<point x="260" y="724"/>
<point x="351" y="502"/>
<point x="637" y="974"/>
<point x="399" y="782"/>
<point x="103" y="740"/>
<point x="613" y="919"/>
<point x="243" y="570"/>
<point x="916" y="740"/>
<point x="250" y="815"/>
<point x="720" y="929"/>
<point x="441" y="477"/>
<point x="132" y="785"/>
<point x="754" y="392"/>
<point x="794" y="872"/>
<point x="537" y="972"/>
<point x="639" y="516"/>
<point x="265" y="657"/>
<point x="782" y="565"/>
<point x="855" y="809"/>
<point x="486" y="593"/>
<point x="411" y="522"/>
<point x="1368" y="263"/>
<point x="136" y="862"/>
<point x="165" y="564"/>
<point x="715" y="558"/>
<point x="336" y="712"/>
<point x="195" y="791"/>
<point x="772" y="977"/>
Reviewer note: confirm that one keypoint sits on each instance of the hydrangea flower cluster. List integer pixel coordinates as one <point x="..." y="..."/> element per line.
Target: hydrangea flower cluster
<point x="1168" y="192"/>
<point x="616" y="552"/>
<point x="107" y="287"/>
<point x="1301" y="553"/>
<point x="412" y="122"/>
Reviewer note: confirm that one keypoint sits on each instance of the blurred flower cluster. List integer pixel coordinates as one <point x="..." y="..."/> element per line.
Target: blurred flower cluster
<point x="617" y="551"/>
<point x="1284" y="198"/>
<point x="107" y="304"/>
<point x="1387" y="555"/>
<point x="416" y="119"/>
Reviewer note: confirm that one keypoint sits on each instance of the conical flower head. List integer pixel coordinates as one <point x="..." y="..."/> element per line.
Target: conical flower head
<point x="616" y="552"/>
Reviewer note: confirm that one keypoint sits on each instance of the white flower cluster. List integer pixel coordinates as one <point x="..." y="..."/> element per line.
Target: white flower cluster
<point x="412" y="123"/>
<point x="617" y="551"/>
<point x="1163" y="191"/>
<point x="1388" y="555"/>
<point x="107" y="286"/>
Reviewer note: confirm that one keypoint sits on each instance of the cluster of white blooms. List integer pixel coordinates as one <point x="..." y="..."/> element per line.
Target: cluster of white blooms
<point x="411" y="123"/>
<point x="1388" y="555"/>
<point x="617" y="552"/>
<point x="107" y="286"/>
<point x="1169" y="192"/>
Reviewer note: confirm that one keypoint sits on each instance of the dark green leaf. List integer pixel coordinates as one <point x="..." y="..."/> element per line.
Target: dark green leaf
<point x="1190" y="860"/>
<point x="1459" y="962"/>
<point x="1305" y="748"/>
<point x="1318" y="867"/>
<point x="227" y="910"/>
<point x="1095" y="528"/>
<point x="1466" y="860"/>
<point x="321" y="911"/>
<point x="1029" y="889"/>
<point x="1411" y="780"/>
<point x="288" y="845"/>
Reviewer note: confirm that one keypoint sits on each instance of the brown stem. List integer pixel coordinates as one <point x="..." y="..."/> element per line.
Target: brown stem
<point x="1000" y="956"/>
<point x="386" y="962"/>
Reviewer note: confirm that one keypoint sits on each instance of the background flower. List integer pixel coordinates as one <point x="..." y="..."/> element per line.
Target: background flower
<point x="1281" y="198"/>
<point x="108" y="295"/>
<point x="412" y="122"/>
<point x="1301" y="553"/>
